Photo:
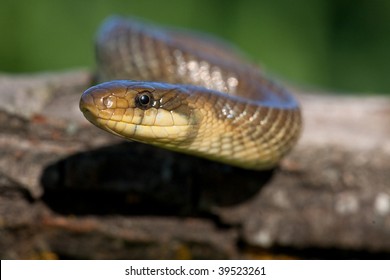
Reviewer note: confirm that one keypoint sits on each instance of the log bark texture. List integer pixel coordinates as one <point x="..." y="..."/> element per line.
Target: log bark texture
<point x="71" y="191"/>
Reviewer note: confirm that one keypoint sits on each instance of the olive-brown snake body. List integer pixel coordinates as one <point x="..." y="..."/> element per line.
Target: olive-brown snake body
<point x="205" y="99"/>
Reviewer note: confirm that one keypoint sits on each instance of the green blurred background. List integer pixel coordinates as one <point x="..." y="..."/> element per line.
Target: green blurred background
<point x="337" y="45"/>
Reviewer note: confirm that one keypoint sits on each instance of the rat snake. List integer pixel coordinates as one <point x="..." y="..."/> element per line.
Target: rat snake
<point x="191" y="93"/>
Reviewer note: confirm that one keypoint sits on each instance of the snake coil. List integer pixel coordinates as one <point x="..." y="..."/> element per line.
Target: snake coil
<point x="189" y="93"/>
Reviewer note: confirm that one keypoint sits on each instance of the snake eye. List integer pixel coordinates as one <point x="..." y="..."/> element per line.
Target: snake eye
<point x="144" y="100"/>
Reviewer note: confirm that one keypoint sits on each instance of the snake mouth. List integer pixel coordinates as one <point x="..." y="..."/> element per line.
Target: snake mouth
<point x="88" y="108"/>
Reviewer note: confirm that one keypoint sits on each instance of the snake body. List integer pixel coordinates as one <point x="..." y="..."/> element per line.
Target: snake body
<point x="205" y="98"/>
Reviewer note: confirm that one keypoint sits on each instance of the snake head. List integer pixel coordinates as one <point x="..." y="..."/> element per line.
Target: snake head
<point x="155" y="113"/>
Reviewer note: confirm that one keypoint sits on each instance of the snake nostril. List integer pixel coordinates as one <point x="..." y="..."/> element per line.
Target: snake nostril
<point x="108" y="101"/>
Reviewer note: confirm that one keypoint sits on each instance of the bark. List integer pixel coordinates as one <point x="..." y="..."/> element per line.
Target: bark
<point x="70" y="190"/>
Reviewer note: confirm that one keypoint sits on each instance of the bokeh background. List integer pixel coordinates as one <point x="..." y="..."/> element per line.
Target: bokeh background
<point x="338" y="45"/>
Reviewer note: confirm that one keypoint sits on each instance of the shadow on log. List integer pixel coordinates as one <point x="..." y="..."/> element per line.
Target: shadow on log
<point x="133" y="178"/>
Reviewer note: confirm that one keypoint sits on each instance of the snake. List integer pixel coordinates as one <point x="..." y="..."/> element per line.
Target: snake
<point x="189" y="92"/>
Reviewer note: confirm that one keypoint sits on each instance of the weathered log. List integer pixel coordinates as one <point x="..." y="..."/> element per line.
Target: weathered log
<point x="69" y="190"/>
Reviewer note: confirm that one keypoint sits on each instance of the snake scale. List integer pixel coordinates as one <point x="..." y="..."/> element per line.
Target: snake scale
<point x="190" y="93"/>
